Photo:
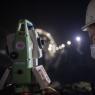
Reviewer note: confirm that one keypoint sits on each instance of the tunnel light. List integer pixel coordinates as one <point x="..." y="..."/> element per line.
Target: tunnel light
<point x="78" y="38"/>
<point x="63" y="45"/>
<point x="68" y="42"/>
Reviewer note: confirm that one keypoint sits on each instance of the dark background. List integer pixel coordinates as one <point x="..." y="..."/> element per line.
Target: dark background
<point x="61" y="18"/>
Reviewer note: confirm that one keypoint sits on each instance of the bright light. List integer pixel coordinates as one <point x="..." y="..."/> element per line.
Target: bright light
<point x="63" y="45"/>
<point x="68" y="42"/>
<point x="50" y="47"/>
<point x="48" y="34"/>
<point x="78" y="39"/>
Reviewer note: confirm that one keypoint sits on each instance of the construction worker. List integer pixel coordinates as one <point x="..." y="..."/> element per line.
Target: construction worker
<point x="90" y="27"/>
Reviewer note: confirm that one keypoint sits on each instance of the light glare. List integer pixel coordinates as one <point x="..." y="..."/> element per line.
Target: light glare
<point x="68" y="42"/>
<point x="78" y="39"/>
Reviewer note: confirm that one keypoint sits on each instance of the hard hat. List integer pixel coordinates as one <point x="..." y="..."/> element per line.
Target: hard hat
<point x="90" y="15"/>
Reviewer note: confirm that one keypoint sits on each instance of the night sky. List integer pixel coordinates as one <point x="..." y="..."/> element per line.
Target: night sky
<point x="60" y="18"/>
